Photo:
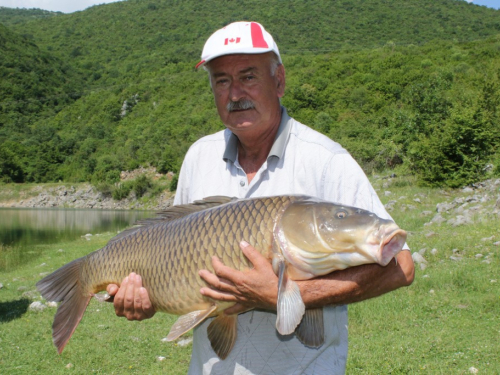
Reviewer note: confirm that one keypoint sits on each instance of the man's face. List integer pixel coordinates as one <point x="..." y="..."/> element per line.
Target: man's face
<point x="246" y="83"/>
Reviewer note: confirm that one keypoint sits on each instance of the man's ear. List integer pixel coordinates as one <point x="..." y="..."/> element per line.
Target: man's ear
<point x="280" y="79"/>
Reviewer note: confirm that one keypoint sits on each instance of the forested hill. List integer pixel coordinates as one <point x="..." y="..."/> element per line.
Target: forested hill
<point x="130" y="36"/>
<point x="407" y="85"/>
<point x="10" y="16"/>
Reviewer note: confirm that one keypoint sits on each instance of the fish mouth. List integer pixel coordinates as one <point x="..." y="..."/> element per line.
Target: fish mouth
<point x="391" y="245"/>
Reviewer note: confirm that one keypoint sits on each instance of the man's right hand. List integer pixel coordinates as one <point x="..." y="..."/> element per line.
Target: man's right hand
<point x="131" y="299"/>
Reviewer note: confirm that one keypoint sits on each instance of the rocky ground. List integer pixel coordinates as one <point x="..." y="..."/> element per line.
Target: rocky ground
<point x="86" y="196"/>
<point x="479" y="201"/>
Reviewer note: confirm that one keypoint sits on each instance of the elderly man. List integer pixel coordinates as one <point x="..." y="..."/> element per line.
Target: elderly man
<point x="265" y="152"/>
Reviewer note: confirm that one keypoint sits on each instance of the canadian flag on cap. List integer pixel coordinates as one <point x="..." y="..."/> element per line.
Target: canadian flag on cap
<point x="232" y="40"/>
<point x="238" y="38"/>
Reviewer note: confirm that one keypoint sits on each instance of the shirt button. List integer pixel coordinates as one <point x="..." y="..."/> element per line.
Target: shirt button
<point x="242" y="183"/>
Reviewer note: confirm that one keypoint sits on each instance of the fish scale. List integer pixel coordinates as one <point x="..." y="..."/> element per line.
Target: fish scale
<point x="185" y="241"/>
<point x="303" y="237"/>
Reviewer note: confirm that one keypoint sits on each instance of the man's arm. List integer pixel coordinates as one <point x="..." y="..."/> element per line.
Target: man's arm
<point x="258" y="287"/>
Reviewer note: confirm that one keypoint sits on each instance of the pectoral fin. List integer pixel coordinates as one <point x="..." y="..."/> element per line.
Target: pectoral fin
<point x="290" y="307"/>
<point x="222" y="334"/>
<point x="311" y="330"/>
<point x="187" y="322"/>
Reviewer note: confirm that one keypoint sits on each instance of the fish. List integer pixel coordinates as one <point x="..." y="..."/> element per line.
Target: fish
<point x="302" y="237"/>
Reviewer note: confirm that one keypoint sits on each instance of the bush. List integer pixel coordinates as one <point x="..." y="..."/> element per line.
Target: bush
<point x="122" y="191"/>
<point x="141" y="185"/>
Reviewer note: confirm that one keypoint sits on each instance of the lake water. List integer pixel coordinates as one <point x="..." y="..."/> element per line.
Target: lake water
<point x="20" y="229"/>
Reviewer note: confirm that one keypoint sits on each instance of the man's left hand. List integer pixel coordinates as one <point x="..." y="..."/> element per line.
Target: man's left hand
<point x="253" y="288"/>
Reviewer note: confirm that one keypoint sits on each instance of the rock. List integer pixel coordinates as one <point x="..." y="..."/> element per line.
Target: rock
<point x="479" y="256"/>
<point x="31" y="294"/>
<point x="438" y="219"/>
<point x="426" y="213"/>
<point x="422" y="266"/>
<point x="455" y="258"/>
<point x="185" y="342"/>
<point x="431" y="291"/>
<point x="1" y="285"/>
<point x="418" y="259"/>
<point x="430" y="234"/>
<point x="69" y="365"/>
<point x="496" y="243"/>
<point x="444" y="207"/>
<point x="422" y="251"/>
<point x="434" y="251"/>
<point x="459" y="220"/>
<point x="22" y="288"/>
<point x="160" y="358"/>
<point x="473" y="370"/>
<point x="488" y="238"/>
<point x="37" y="306"/>
<point x="51" y="304"/>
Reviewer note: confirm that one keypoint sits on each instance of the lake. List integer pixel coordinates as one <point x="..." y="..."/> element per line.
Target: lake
<point x="21" y="228"/>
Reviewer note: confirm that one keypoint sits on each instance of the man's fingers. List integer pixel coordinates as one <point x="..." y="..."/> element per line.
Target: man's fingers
<point x="255" y="257"/>
<point x="147" y="307"/>
<point x="111" y="289"/>
<point x="216" y="282"/>
<point x="118" y="301"/>
<point x="217" y="295"/>
<point x="136" y="288"/>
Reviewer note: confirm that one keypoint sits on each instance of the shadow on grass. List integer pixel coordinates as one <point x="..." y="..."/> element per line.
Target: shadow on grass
<point x="13" y="309"/>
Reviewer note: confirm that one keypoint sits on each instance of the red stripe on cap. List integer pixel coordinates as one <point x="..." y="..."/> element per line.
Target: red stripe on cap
<point x="257" y="36"/>
<point x="200" y="63"/>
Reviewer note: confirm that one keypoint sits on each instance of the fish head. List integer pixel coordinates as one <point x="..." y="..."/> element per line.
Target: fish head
<point x="318" y="237"/>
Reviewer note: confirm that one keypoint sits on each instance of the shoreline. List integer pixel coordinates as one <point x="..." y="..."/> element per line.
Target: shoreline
<point x="83" y="196"/>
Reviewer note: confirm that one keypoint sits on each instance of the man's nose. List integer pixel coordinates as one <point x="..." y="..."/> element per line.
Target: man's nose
<point x="237" y="91"/>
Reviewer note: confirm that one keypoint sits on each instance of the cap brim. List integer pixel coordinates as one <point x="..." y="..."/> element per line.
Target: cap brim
<point x="254" y="51"/>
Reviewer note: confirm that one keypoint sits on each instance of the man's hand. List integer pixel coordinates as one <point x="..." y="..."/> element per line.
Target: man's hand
<point x="253" y="288"/>
<point x="131" y="300"/>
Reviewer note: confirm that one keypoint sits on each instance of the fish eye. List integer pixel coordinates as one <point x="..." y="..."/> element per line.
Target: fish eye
<point x="341" y="214"/>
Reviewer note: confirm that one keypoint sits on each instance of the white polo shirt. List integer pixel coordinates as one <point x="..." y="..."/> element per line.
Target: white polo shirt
<point x="301" y="161"/>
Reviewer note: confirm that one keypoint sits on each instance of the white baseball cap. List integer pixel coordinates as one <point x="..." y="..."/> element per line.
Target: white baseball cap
<point x="238" y="37"/>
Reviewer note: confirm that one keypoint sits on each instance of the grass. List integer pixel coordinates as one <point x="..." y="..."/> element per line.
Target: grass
<point x="445" y="323"/>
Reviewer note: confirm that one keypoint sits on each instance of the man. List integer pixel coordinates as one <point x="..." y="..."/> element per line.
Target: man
<point x="264" y="152"/>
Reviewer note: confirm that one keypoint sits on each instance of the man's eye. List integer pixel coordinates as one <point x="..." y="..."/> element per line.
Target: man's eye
<point x="249" y="78"/>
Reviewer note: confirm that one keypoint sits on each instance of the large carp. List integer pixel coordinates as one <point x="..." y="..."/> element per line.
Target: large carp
<point x="303" y="237"/>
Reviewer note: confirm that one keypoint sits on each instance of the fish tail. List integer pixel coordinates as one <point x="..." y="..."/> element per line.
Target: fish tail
<point x="64" y="285"/>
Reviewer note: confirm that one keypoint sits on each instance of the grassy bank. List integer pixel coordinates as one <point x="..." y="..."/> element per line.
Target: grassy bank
<point x="445" y="323"/>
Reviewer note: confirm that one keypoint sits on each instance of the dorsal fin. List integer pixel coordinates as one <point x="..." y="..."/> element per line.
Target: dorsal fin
<point x="175" y="212"/>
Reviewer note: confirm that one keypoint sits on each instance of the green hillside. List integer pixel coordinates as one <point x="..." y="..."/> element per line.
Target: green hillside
<point x="10" y="16"/>
<point x="412" y="86"/>
<point x="116" y="41"/>
<point x="34" y="85"/>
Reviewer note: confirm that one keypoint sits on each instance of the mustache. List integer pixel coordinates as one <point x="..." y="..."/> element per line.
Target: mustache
<point x="240" y="105"/>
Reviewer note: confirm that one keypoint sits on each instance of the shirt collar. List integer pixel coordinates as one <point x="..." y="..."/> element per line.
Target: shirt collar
<point x="279" y="144"/>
